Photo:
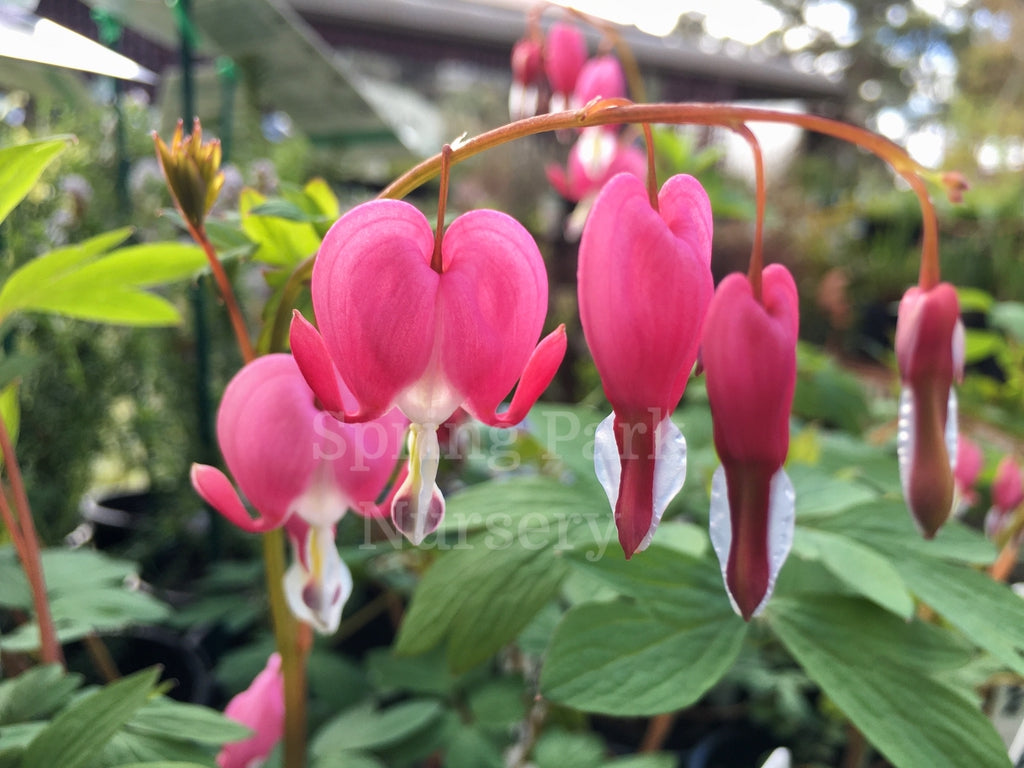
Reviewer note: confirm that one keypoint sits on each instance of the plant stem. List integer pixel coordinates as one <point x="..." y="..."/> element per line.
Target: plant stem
<point x="613" y="112"/>
<point x="757" y="251"/>
<point x="275" y="339"/>
<point x="658" y="730"/>
<point x="293" y="656"/>
<point x="225" y="290"/>
<point x="23" y="531"/>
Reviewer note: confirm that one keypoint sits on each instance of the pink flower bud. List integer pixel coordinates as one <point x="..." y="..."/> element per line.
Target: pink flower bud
<point x="261" y="708"/>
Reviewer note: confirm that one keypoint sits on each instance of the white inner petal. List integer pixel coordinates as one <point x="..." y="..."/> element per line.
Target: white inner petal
<point x="607" y="466"/>
<point x="952" y="428"/>
<point x="318" y="596"/>
<point x="905" y="437"/>
<point x="781" y="525"/>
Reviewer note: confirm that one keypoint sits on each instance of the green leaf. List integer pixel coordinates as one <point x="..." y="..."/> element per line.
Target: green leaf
<point x="162" y="764"/>
<point x="22" y="165"/>
<point x="172" y="719"/>
<point x="426" y="674"/>
<point x="513" y="563"/>
<point x="77" y="735"/>
<point x="622" y="658"/>
<point x="36" y="693"/>
<point x="347" y="760"/>
<point x="320" y="193"/>
<point x="980" y="344"/>
<point x="87" y="284"/>
<point x="861" y="568"/>
<point x="284" y="209"/>
<point x="868" y="662"/>
<point x="33" y="279"/>
<point x="652" y="760"/>
<point x="561" y="749"/>
<point x="364" y="727"/>
<point x="1008" y="316"/>
<point x="885" y="525"/>
<point x="820" y="492"/>
<point x="470" y="748"/>
<point x="10" y="412"/>
<point x="986" y="611"/>
<point x="280" y="243"/>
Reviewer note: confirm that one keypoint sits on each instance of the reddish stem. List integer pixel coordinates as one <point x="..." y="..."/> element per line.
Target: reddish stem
<point x="225" y="290"/>
<point x="437" y="259"/>
<point x="652" y="171"/>
<point x="31" y="559"/>
<point x="757" y="251"/>
<point x="614" y="112"/>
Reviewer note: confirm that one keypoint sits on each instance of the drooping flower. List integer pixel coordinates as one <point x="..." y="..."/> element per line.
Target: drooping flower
<point x="1007" y="495"/>
<point x="644" y="285"/>
<point x="565" y="52"/>
<point x="298" y="466"/>
<point x="930" y="357"/>
<point x="401" y="333"/>
<point x="261" y="708"/>
<point x="967" y="467"/>
<point x="527" y="78"/>
<point x="599" y="77"/>
<point x="587" y="170"/>
<point x="749" y="357"/>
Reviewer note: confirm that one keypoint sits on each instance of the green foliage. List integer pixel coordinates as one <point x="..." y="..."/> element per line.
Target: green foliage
<point x="47" y="720"/>
<point x="87" y="593"/>
<point x="22" y="165"/>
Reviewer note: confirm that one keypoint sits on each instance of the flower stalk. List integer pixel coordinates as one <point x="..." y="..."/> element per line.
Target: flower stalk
<point x="17" y="516"/>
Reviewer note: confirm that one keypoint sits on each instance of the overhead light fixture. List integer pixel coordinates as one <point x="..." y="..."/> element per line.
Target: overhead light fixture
<point x="28" y="37"/>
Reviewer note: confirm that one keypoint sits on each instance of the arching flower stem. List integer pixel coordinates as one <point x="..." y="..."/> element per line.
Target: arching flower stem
<point x="757" y="251"/>
<point x="652" y="171"/>
<point x="436" y="260"/>
<point x="725" y="115"/>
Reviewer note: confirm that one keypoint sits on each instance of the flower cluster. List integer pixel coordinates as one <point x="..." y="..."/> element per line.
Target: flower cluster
<point x="648" y="306"/>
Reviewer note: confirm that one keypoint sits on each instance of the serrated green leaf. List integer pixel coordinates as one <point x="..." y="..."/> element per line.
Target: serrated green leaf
<point x="885" y="525"/>
<point x="513" y="563"/>
<point x="175" y="720"/>
<point x="22" y="165"/>
<point x="863" y="569"/>
<point x="986" y="611"/>
<point x="621" y="657"/>
<point x="77" y="735"/>
<point x="36" y="693"/>
<point x="363" y="727"/>
<point x="914" y="719"/>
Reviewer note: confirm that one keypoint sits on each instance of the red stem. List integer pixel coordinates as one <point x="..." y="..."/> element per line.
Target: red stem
<point x="226" y="292"/>
<point x="437" y="259"/>
<point x="652" y="172"/>
<point x="31" y="559"/>
<point x="615" y="112"/>
<point x="757" y="251"/>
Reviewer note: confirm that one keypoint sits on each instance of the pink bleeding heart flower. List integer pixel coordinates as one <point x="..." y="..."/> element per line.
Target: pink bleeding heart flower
<point x="565" y="52"/>
<point x="600" y="77"/>
<point x="930" y="357"/>
<point x="1007" y="495"/>
<point x="594" y="158"/>
<point x="401" y="333"/>
<point x="966" y="468"/>
<point x="295" y="462"/>
<point x="527" y="78"/>
<point x="261" y="708"/>
<point x="749" y="357"/>
<point x="644" y="285"/>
